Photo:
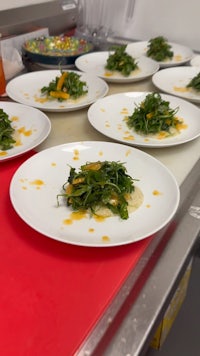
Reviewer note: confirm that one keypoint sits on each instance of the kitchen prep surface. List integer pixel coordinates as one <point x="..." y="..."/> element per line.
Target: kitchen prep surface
<point x="53" y="293"/>
<point x="72" y="127"/>
<point x="58" y="290"/>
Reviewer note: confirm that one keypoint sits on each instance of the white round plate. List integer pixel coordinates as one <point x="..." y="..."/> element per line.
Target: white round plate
<point x="26" y="89"/>
<point x="174" y="81"/>
<point x="107" y="116"/>
<point x="36" y="183"/>
<point x="181" y="56"/>
<point x="95" y="63"/>
<point x="195" y="61"/>
<point x="31" y="128"/>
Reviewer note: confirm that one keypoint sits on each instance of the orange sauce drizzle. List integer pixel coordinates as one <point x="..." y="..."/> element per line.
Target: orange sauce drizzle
<point x="156" y="192"/>
<point x="3" y="153"/>
<point x="105" y="238"/>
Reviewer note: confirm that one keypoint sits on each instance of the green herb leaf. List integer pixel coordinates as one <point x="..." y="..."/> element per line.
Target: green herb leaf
<point x="153" y="115"/>
<point x="159" y="49"/>
<point x="98" y="184"/>
<point x="195" y="82"/>
<point x="121" y="61"/>
<point x="6" y="132"/>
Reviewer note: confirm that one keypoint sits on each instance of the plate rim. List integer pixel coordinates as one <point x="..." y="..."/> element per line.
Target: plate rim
<point x="96" y="143"/>
<point x="163" y="64"/>
<point x="147" y="145"/>
<point x="43" y="117"/>
<point x="173" y="69"/>
<point x="53" y="72"/>
<point x="119" y="79"/>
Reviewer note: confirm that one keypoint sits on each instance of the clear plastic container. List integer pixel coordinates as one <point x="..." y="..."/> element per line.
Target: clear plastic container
<point x="100" y="20"/>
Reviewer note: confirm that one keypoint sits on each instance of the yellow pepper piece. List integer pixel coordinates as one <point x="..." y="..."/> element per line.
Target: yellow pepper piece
<point x="149" y="115"/>
<point x="61" y="81"/>
<point x="78" y="180"/>
<point x="92" y="166"/>
<point x="68" y="189"/>
<point x="168" y="121"/>
<point x="59" y="95"/>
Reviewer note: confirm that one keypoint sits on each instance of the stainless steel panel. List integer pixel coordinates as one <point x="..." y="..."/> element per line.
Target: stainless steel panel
<point x="58" y="16"/>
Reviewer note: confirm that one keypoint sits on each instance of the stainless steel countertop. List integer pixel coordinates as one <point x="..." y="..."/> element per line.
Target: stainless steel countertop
<point x="128" y="324"/>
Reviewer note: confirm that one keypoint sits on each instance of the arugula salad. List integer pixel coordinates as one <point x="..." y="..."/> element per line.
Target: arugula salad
<point x="195" y="83"/>
<point x="6" y="132"/>
<point x="159" y="49"/>
<point x="153" y="115"/>
<point x="99" y="185"/>
<point x="67" y="85"/>
<point x="121" y="61"/>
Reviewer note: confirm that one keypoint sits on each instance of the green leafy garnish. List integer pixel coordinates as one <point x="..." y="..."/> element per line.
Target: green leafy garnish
<point x="99" y="184"/>
<point x="121" y="61"/>
<point x="68" y="85"/>
<point x="159" y="49"/>
<point x="6" y="132"/>
<point x="153" y="115"/>
<point x="195" y="82"/>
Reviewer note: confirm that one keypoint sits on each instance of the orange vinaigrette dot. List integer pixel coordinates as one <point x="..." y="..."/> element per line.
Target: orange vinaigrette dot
<point x="181" y="89"/>
<point x="78" y="215"/>
<point x="105" y="238"/>
<point x="3" y="153"/>
<point x="18" y="142"/>
<point x="37" y="182"/>
<point x="108" y="74"/>
<point x="156" y="192"/>
<point x="25" y="132"/>
<point x="178" y="58"/>
<point x="76" y="152"/>
<point x="99" y="218"/>
<point x="128" y="152"/>
<point x="14" y="118"/>
<point x="124" y="111"/>
<point x="91" y="229"/>
<point x="67" y="222"/>
<point x="76" y="155"/>
<point x="129" y="138"/>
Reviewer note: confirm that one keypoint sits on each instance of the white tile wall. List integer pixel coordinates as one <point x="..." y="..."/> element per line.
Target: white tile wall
<point x="178" y="20"/>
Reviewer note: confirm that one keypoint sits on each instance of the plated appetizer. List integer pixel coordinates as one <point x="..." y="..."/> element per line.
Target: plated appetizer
<point x="145" y="119"/>
<point x="159" y="49"/>
<point x="154" y="116"/>
<point x="56" y="90"/>
<point x="119" y="66"/>
<point x="67" y="85"/>
<point x="102" y="189"/>
<point x="33" y="193"/>
<point x="6" y="132"/>
<point x="121" y="61"/>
